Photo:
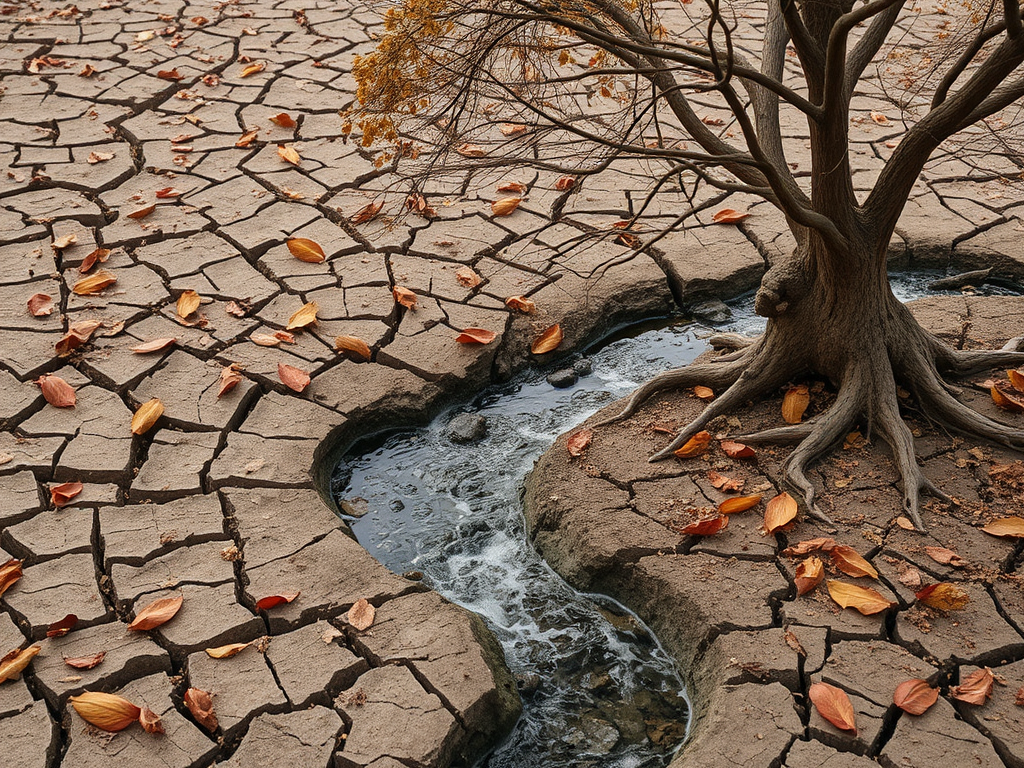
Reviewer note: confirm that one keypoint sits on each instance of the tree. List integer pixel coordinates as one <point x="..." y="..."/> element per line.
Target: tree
<point x="626" y="79"/>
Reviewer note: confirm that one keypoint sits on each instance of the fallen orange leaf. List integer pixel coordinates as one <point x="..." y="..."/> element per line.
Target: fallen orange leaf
<point x="695" y="446"/>
<point x="729" y="216"/>
<point x="467" y="277"/>
<point x="226" y="651"/>
<point x="1006" y="527"/>
<point x="87" y="286"/>
<point x="834" y="705"/>
<point x="521" y="304"/>
<point x="77" y="335"/>
<point x="867" y="601"/>
<point x="305" y="315"/>
<point x="736" y="450"/>
<point x="251" y="69"/>
<point x="85" y="662"/>
<point x="247" y="138"/>
<point x="188" y="303"/>
<point x="14" y="663"/>
<point x="65" y="492"/>
<point x="794" y="403"/>
<point x="283" y="119"/>
<point x="810" y="545"/>
<point x="142" y="212"/>
<point x="40" y="304"/>
<point x="739" y="504"/>
<point x="367" y="213"/>
<point x="704" y="393"/>
<point x="105" y="710"/>
<point x="157" y="613"/>
<point x="547" y="341"/>
<point x="505" y="206"/>
<point x="353" y="348"/>
<point x="915" y="697"/>
<point x="200" y="704"/>
<point x="579" y="441"/>
<point x="288" y="154"/>
<point x="476" y="336"/>
<point x="306" y="250"/>
<point x="150" y="721"/>
<point x="62" y="627"/>
<point x="976" y="688"/>
<point x="809" y="574"/>
<point x="294" y="378"/>
<point x="56" y="391"/>
<point x="706" y="527"/>
<point x="153" y="346"/>
<point x="779" y="512"/>
<point x="230" y="376"/>
<point x="849" y="562"/>
<point x="10" y="572"/>
<point x="945" y="597"/>
<point x="147" y="415"/>
<point x="404" y="296"/>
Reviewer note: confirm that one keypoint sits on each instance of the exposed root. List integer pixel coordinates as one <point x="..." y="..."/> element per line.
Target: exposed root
<point x="831" y="427"/>
<point x="972" y="360"/>
<point x="708" y="375"/>
<point x="793" y="433"/>
<point x="753" y="383"/>
<point x="897" y="434"/>
<point x="731" y="341"/>
<point x="943" y="407"/>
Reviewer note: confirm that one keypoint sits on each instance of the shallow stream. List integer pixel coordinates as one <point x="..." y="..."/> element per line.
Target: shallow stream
<point x="598" y="690"/>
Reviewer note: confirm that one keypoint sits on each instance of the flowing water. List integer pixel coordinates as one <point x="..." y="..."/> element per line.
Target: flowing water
<point x="598" y="690"/>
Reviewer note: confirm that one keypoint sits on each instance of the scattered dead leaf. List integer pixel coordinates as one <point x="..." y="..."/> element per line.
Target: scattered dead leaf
<point x="156" y="614"/>
<point x="304" y="316"/>
<point x="10" y="572"/>
<point x="306" y="250"/>
<point x="283" y="120"/>
<point x="849" y="562"/>
<point x="105" y="710"/>
<point x="867" y="601"/>
<point x="271" y="601"/>
<point x="975" y="689"/>
<point x="85" y="662"/>
<point x="155" y="345"/>
<point x="56" y="391"/>
<point x="945" y="556"/>
<point x="506" y="206"/>
<point x="709" y="526"/>
<point x="548" y="341"/>
<point x="809" y="574"/>
<point x="834" y="705"/>
<point x="226" y="651"/>
<point x="252" y="69"/>
<point x="945" y="597"/>
<point x="810" y="545"/>
<point x="467" y="277"/>
<point x="142" y="212"/>
<point x="739" y="504"/>
<point x="521" y="304"/>
<point x="367" y="213"/>
<point x="794" y="403"/>
<point x="188" y="303"/>
<point x="78" y="334"/>
<point x="92" y="284"/>
<point x="736" y="450"/>
<point x="579" y="441"/>
<point x="695" y="446"/>
<point x="404" y="296"/>
<point x="289" y="154"/>
<point x="247" y="138"/>
<point x="62" y="627"/>
<point x="14" y="663"/>
<point x="62" y="494"/>
<point x="353" y="348"/>
<point x="704" y="393"/>
<point x="476" y="336"/>
<point x="1006" y="527"/>
<point x="779" y="512"/>
<point x="729" y="216"/>
<point x="150" y="721"/>
<point x="294" y="378"/>
<point x="200" y="704"/>
<point x="723" y="483"/>
<point x="147" y="415"/>
<point x="40" y="304"/>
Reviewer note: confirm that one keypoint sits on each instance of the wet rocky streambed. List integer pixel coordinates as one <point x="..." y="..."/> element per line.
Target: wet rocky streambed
<point x="597" y="688"/>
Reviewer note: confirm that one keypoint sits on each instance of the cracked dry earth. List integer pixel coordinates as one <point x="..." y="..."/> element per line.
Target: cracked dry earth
<point x="726" y="605"/>
<point x="109" y="108"/>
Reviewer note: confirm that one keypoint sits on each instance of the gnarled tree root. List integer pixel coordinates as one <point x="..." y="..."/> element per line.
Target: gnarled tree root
<point x="867" y="395"/>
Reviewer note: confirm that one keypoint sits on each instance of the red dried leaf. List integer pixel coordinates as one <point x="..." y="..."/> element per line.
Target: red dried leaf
<point x="142" y="212"/>
<point x="283" y="119"/>
<point x="723" y="483"/>
<point x="85" y="662"/>
<point x="729" y="216"/>
<point x="65" y="492"/>
<point x="367" y="213"/>
<point x="565" y="183"/>
<point x="915" y="697"/>
<point x="1006" y="397"/>
<point x="945" y="556"/>
<point x="706" y="527"/>
<point x="404" y="296"/>
<point x="975" y="689"/>
<point x="56" y="391"/>
<point x="62" y="627"/>
<point x="505" y="206"/>
<point x="170" y="74"/>
<point x="353" y="348"/>
<point x="150" y="721"/>
<point x="105" y="710"/>
<point x="579" y="441"/>
<point x="77" y="335"/>
<point x="521" y="304"/>
<point x="270" y="601"/>
<point x="834" y="705"/>
<point x="10" y="572"/>
<point x="736" y="450"/>
<point x="167" y="192"/>
<point x="810" y="545"/>
<point x="98" y="255"/>
<point x="230" y="376"/>
<point x="40" y="304"/>
<point x="294" y="378"/>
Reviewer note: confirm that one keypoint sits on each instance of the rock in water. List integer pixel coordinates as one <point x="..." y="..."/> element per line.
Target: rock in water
<point x="583" y="366"/>
<point x="467" y="428"/>
<point x="563" y="378"/>
<point x="714" y="311"/>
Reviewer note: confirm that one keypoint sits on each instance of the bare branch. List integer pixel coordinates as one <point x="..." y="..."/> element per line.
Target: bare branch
<point x="869" y="45"/>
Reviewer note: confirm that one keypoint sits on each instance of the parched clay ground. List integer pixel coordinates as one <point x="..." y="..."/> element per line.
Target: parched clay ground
<point x="726" y="605"/>
<point x="221" y="503"/>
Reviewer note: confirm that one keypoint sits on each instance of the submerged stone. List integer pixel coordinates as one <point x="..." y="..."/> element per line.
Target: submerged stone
<point x="467" y="428"/>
